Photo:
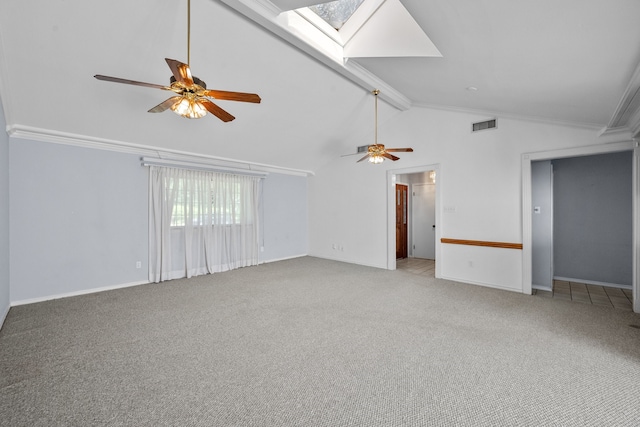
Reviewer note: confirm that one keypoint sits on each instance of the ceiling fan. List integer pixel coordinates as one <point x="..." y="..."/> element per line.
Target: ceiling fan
<point x="192" y="99"/>
<point x="376" y="153"/>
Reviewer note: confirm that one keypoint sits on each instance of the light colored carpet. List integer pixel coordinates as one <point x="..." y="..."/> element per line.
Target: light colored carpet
<point x="312" y="342"/>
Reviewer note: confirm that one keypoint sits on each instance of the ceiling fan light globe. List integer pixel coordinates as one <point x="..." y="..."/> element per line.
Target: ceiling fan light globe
<point x="198" y="110"/>
<point x="181" y="107"/>
<point x="376" y="159"/>
<point x="189" y="108"/>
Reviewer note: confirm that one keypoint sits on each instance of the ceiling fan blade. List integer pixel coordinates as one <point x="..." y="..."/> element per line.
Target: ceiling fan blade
<point x="365" y="157"/>
<point x="233" y="96"/>
<point x="390" y="156"/>
<point x="397" y="150"/>
<point x="180" y="71"/>
<point x="164" y="105"/>
<point x="216" y="111"/>
<point x="129" y="82"/>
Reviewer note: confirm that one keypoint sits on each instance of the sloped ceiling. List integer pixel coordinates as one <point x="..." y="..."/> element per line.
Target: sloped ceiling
<point x="571" y="61"/>
<point x="390" y="31"/>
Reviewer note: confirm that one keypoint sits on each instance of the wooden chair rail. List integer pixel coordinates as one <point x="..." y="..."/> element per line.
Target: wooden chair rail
<point x="482" y="243"/>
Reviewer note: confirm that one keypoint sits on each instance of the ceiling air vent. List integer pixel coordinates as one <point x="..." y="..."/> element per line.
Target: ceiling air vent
<point x="489" y="124"/>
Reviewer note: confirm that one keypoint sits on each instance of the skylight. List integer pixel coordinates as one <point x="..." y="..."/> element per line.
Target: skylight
<point x="336" y="13"/>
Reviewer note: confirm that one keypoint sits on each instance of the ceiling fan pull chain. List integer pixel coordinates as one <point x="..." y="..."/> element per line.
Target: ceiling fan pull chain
<point x="376" y="153"/>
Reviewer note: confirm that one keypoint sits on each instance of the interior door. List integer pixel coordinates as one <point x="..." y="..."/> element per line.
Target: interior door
<point x="401" y="221"/>
<point x="423" y="220"/>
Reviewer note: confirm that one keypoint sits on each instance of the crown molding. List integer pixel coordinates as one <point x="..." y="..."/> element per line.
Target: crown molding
<point x="622" y="132"/>
<point x="627" y="113"/>
<point x="521" y="117"/>
<point x="634" y="124"/>
<point x="43" y="135"/>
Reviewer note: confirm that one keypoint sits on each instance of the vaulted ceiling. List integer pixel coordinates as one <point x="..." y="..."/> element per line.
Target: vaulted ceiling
<point x="571" y="61"/>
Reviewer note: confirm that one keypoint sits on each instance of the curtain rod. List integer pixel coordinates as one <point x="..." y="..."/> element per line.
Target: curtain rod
<point x="150" y="161"/>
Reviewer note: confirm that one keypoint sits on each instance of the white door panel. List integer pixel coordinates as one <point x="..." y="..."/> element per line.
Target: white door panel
<point x="424" y="220"/>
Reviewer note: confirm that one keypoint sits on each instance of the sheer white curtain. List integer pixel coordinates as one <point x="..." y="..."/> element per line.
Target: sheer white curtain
<point x="201" y="222"/>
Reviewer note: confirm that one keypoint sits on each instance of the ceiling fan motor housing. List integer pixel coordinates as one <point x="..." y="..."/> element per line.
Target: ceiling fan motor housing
<point x="196" y="80"/>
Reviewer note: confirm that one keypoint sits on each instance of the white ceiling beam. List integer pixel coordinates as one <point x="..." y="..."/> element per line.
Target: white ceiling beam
<point x="288" y="26"/>
<point x="296" y="4"/>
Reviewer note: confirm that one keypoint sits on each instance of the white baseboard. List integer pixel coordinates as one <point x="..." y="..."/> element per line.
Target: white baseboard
<point x="108" y="288"/>
<point x="483" y="284"/>
<point x="76" y="293"/>
<point x="349" y="261"/>
<point x="267" y="261"/>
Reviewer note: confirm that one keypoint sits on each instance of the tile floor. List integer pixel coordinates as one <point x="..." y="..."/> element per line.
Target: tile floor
<point x="589" y="294"/>
<point x="425" y="267"/>
<point x="570" y="291"/>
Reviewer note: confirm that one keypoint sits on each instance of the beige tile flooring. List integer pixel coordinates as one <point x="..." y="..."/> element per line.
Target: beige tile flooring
<point x="570" y="291"/>
<point x="589" y="294"/>
<point x="425" y="267"/>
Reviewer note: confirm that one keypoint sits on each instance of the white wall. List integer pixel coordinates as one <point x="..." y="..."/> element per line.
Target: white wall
<point x="80" y="219"/>
<point x="480" y="178"/>
<point x="347" y="213"/>
<point x="4" y="219"/>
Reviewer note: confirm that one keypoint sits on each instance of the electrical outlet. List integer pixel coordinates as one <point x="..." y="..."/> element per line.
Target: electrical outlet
<point x="138" y="264"/>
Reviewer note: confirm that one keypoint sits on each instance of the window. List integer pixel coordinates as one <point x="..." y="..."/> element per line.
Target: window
<point x="225" y="197"/>
<point x="201" y="222"/>
<point x="336" y="13"/>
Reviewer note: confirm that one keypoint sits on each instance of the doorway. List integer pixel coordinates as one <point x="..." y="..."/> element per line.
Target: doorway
<point x="415" y="216"/>
<point x="582" y="227"/>
<point x="422" y="229"/>
<point x="529" y="207"/>
<point x="402" y="235"/>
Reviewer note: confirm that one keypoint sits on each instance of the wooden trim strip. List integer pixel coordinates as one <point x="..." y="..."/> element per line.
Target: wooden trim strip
<point x="482" y="243"/>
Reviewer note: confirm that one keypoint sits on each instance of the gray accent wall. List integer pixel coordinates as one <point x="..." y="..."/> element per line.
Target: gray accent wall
<point x="80" y="220"/>
<point x="593" y="218"/>
<point x="5" y="296"/>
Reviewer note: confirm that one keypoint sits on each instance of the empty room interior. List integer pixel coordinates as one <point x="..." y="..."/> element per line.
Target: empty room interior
<point x="301" y="213"/>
